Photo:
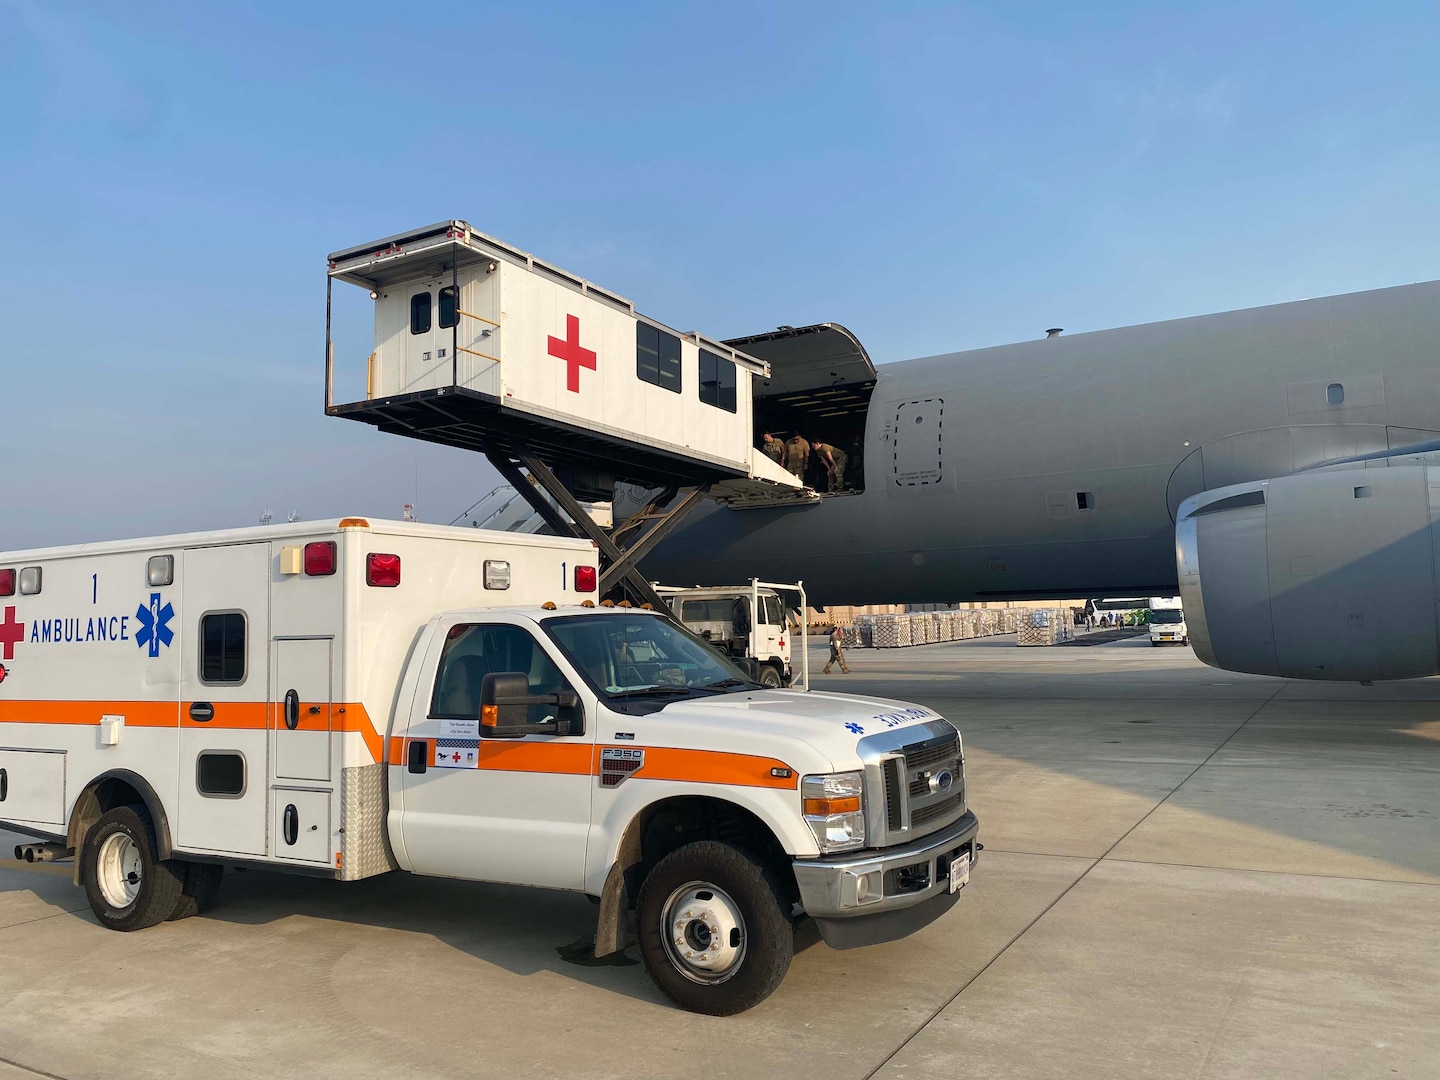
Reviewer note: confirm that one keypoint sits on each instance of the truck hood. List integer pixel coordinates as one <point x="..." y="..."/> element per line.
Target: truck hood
<point x="766" y="721"/>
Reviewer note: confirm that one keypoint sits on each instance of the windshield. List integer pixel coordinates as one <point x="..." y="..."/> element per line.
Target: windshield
<point x="1167" y="615"/>
<point x="643" y="655"/>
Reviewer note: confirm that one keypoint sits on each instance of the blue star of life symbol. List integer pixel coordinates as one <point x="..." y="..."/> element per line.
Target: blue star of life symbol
<point x="850" y="725"/>
<point x="154" y="624"/>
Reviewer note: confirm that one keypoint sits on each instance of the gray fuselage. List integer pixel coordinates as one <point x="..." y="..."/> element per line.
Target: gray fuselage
<point x="1053" y="468"/>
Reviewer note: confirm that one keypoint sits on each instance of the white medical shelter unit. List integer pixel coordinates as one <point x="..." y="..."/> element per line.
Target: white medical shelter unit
<point x="478" y="344"/>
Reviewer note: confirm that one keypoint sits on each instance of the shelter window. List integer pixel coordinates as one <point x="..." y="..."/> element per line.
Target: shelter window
<point x="448" y="307"/>
<point x="717" y="381"/>
<point x="220" y="774"/>
<point x="420" y="313"/>
<point x="657" y="357"/>
<point x="222" y="647"/>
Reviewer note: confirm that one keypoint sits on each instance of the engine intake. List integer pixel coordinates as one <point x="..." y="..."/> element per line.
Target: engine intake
<point x="1317" y="575"/>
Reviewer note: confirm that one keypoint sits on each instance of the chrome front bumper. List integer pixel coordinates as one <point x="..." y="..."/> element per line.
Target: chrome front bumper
<point x="913" y="886"/>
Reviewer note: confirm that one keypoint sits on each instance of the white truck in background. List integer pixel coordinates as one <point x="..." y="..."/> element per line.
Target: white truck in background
<point x="1167" y="622"/>
<point x="751" y="622"/>
<point x="350" y="697"/>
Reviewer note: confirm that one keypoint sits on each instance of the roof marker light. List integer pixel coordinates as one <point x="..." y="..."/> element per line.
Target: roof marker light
<point x="354" y="523"/>
<point x="382" y="571"/>
<point x="320" y="558"/>
<point x="7" y="582"/>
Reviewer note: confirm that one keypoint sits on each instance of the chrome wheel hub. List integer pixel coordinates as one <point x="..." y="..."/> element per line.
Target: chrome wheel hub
<point x="119" y="870"/>
<point x="704" y="932"/>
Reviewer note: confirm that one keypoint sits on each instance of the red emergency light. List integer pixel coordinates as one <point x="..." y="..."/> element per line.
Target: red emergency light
<point x="320" y="558"/>
<point x="382" y="571"/>
<point x="7" y="582"/>
<point x="585" y="577"/>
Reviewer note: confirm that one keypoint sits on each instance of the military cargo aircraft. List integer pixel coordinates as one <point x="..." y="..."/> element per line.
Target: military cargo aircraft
<point x="1279" y="465"/>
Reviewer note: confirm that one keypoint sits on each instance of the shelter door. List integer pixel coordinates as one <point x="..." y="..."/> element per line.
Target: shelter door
<point x="224" y="699"/>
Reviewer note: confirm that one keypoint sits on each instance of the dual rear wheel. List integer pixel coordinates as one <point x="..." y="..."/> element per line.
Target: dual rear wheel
<point x="128" y="885"/>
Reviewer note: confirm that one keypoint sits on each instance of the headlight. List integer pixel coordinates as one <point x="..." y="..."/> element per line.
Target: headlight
<point x="834" y="811"/>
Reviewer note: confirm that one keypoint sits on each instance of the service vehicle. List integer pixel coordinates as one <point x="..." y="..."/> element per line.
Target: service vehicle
<point x="1167" y="622"/>
<point x="748" y="623"/>
<point x="351" y="697"/>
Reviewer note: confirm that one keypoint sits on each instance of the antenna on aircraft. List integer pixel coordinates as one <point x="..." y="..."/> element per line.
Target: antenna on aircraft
<point x="1054" y="331"/>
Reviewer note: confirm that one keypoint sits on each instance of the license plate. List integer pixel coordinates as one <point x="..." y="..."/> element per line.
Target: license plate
<point x="959" y="872"/>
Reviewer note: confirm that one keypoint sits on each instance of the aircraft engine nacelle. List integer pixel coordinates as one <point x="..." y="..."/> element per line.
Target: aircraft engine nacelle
<point x="1317" y="575"/>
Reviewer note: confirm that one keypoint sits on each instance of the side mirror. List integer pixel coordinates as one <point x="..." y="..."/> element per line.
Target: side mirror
<point x="505" y="699"/>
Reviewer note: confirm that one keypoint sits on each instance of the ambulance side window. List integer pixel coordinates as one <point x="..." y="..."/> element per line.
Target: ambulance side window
<point x="222" y="647"/>
<point x="474" y="650"/>
<point x="448" y="317"/>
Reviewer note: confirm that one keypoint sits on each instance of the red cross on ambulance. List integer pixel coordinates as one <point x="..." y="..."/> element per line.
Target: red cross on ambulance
<point x="11" y="633"/>
<point x="572" y="353"/>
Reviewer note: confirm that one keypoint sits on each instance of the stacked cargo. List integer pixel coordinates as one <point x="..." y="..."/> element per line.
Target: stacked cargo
<point x="1043" y="627"/>
<point x="920" y="629"/>
<point x="892" y="631"/>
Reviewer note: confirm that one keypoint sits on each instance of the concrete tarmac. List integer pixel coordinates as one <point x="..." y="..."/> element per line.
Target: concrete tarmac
<point x="1187" y="873"/>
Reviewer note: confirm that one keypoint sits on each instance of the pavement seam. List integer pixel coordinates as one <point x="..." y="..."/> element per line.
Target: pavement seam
<point x="42" y="918"/>
<point x="1064" y="893"/>
<point x="34" y="1072"/>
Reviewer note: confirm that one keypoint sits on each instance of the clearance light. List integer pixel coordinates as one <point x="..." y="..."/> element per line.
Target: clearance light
<point x="585" y="578"/>
<point x="7" y="582"/>
<point x="607" y="603"/>
<point x="382" y="571"/>
<point x="548" y="605"/>
<point x="320" y="558"/>
<point x="626" y="604"/>
<point x="354" y="523"/>
<point x="587" y="603"/>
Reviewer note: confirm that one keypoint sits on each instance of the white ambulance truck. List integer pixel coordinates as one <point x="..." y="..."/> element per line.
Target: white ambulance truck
<point x="1167" y="622"/>
<point x="346" y="698"/>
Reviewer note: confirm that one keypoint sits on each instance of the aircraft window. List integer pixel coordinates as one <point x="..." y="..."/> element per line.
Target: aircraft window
<point x="420" y="313"/>
<point x="657" y="357"/>
<point x="1335" y="394"/>
<point x="1084" y="500"/>
<point x="448" y="316"/>
<point x="717" y="381"/>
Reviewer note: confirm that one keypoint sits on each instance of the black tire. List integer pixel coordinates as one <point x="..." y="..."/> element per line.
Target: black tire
<point x="157" y="884"/>
<point x="766" y="935"/>
<point x="769" y="677"/>
<point x="201" y="886"/>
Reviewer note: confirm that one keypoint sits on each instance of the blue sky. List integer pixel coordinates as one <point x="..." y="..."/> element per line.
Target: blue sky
<point x="934" y="176"/>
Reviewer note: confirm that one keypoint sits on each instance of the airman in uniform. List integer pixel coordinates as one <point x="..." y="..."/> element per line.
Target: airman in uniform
<point x="797" y="456"/>
<point x="833" y="458"/>
<point x="774" y="449"/>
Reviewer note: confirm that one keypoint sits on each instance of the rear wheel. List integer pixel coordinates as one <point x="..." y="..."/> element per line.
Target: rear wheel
<point x="201" y="886"/>
<point x="712" y="930"/>
<point x="129" y="887"/>
<point x="769" y="677"/>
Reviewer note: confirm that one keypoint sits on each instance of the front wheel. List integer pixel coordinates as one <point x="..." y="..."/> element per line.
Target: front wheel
<point x="769" y="677"/>
<point x="713" y="933"/>
<point x="129" y="887"/>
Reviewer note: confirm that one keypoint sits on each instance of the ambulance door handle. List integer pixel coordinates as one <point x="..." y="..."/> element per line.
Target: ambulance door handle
<point x="4" y="784"/>
<point x="202" y="712"/>
<point x="418" y="755"/>
<point x="292" y="824"/>
<point x="292" y="709"/>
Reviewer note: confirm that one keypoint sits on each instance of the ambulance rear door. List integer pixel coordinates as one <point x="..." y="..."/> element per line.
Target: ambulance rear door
<point x="224" y="699"/>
